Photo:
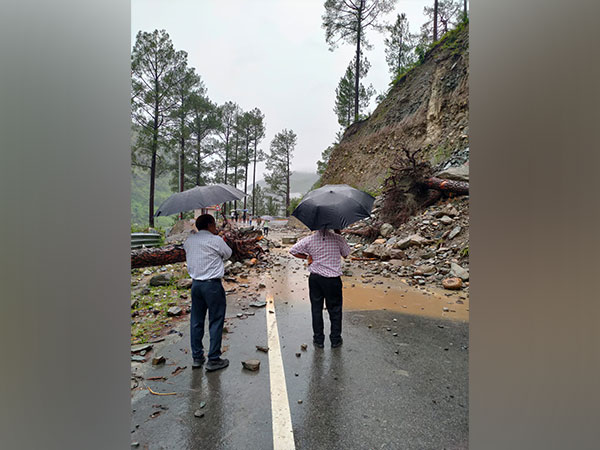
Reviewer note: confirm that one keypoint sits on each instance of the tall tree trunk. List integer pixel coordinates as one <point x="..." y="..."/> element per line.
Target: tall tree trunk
<point x="181" y="161"/>
<point x="152" y="179"/>
<point x="235" y="168"/>
<point x="181" y="168"/>
<point x="153" y="163"/>
<point x="226" y="162"/>
<point x="465" y="9"/>
<point x="181" y="173"/>
<point x="399" y="56"/>
<point x="357" y="68"/>
<point x="198" y="162"/>
<point x="247" y="161"/>
<point x="254" y="181"/>
<point x="435" y="20"/>
<point x="287" y="186"/>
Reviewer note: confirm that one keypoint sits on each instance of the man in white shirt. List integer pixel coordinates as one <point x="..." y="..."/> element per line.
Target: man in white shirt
<point x="205" y="253"/>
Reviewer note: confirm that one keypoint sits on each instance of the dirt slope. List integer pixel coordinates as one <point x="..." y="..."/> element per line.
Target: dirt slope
<point x="428" y="108"/>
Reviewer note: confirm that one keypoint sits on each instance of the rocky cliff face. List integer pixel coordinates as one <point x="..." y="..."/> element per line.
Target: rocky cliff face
<point x="427" y="109"/>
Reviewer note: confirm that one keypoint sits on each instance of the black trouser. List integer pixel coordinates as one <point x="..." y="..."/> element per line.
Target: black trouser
<point x="208" y="296"/>
<point x="329" y="289"/>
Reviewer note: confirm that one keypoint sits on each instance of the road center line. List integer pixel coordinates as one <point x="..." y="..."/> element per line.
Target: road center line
<point x="283" y="434"/>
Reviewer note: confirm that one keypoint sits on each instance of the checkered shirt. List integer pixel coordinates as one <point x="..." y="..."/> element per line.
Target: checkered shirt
<point x="325" y="248"/>
<point x="205" y="253"/>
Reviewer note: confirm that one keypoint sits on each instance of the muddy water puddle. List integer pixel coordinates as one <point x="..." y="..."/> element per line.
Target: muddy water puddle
<point x="287" y="282"/>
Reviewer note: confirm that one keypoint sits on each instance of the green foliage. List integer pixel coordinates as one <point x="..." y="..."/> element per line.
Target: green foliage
<point x="345" y="93"/>
<point x="322" y="163"/>
<point x="464" y="252"/>
<point x="422" y="49"/>
<point x="294" y="201"/>
<point x="347" y="22"/>
<point x="399" y="46"/>
<point x="139" y="198"/>
<point x="278" y="163"/>
<point x="449" y="14"/>
<point x="156" y="70"/>
<point x="450" y="39"/>
<point x="272" y="205"/>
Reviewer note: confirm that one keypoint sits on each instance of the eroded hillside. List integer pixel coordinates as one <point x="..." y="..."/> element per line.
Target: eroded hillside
<point x="426" y="109"/>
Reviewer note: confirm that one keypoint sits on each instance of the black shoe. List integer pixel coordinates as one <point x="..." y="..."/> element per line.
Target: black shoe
<point x="216" y="364"/>
<point x="318" y="344"/>
<point x="337" y="344"/>
<point x="198" y="362"/>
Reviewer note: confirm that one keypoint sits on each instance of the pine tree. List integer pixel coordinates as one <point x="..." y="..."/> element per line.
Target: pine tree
<point x="205" y="121"/>
<point x="181" y="118"/>
<point x="156" y="71"/>
<point x="278" y="162"/>
<point x="344" y="94"/>
<point x="348" y="20"/>
<point x="227" y="115"/>
<point x="257" y="124"/>
<point x="399" y="46"/>
<point x="443" y="16"/>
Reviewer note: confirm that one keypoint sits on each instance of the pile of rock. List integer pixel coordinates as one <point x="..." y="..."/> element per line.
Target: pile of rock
<point x="428" y="248"/>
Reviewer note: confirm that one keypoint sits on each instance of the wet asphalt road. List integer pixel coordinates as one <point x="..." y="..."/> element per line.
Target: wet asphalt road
<point x="377" y="391"/>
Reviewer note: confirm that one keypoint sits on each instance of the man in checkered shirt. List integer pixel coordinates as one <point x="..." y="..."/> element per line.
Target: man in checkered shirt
<point x="323" y="250"/>
<point x="205" y="252"/>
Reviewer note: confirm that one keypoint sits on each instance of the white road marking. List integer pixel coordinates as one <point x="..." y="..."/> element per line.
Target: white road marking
<point x="283" y="434"/>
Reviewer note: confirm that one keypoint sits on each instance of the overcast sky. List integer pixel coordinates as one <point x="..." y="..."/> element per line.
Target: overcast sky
<point x="270" y="54"/>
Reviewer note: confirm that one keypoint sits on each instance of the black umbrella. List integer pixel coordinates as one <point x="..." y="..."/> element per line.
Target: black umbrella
<point x="199" y="197"/>
<point x="333" y="206"/>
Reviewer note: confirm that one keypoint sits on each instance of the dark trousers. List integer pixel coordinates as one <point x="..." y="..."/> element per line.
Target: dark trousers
<point x="207" y="296"/>
<point x="328" y="289"/>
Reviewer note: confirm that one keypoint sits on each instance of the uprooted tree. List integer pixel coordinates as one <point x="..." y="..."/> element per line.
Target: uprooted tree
<point x="411" y="187"/>
<point x="243" y="244"/>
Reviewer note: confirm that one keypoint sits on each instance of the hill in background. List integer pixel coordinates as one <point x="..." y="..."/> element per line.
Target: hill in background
<point x="300" y="183"/>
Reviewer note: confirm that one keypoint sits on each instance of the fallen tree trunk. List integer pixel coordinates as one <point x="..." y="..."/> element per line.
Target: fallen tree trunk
<point x="147" y="257"/>
<point x="243" y="245"/>
<point x="456" y="187"/>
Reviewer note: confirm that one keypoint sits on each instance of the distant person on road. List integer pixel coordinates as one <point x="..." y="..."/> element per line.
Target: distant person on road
<point x="250" y="220"/>
<point x="236" y="216"/>
<point x="244" y="217"/>
<point x="205" y="253"/>
<point x="323" y="249"/>
<point x="266" y="228"/>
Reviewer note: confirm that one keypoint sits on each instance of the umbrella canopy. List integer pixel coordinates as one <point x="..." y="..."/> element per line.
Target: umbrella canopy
<point x="199" y="197"/>
<point x="333" y="206"/>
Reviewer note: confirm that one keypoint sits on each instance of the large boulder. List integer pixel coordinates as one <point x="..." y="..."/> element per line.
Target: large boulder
<point x="459" y="272"/>
<point x="415" y="239"/>
<point x="185" y="283"/>
<point x="162" y="279"/>
<point x="377" y="251"/>
<point x="386" y="230"/>
<point x="460" y="173"/>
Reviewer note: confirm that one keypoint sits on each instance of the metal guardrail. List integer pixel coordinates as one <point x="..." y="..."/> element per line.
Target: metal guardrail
<point x="139" y="240"/>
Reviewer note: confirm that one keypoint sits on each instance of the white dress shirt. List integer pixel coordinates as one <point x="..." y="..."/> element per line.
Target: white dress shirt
<point x="205" y="253"/>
